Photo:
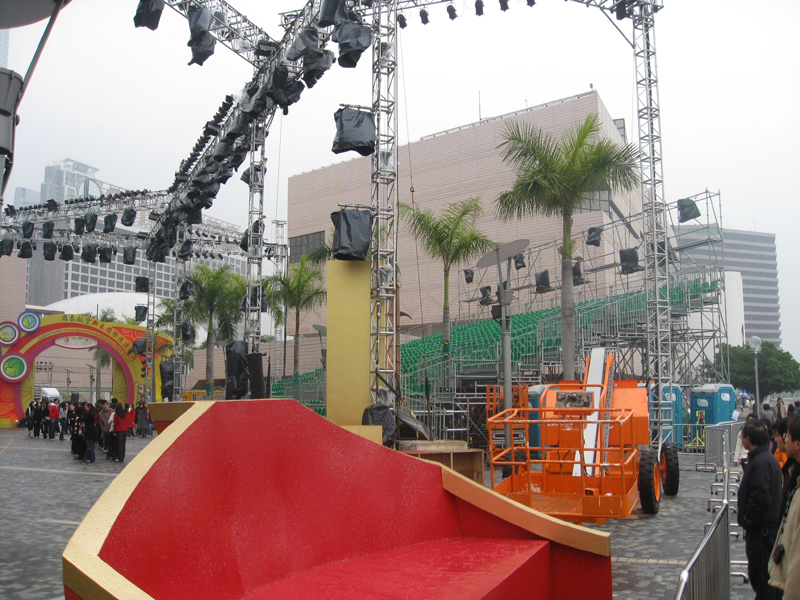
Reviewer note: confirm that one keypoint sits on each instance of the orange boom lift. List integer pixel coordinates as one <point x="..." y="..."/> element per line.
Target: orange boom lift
<point x="591" y="459"/>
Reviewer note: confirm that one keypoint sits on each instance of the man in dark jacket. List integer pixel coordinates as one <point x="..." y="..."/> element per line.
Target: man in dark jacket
<point x="759" y="506"/>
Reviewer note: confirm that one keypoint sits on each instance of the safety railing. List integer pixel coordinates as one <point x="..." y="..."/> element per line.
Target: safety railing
<point x="717" y="437"/>
<point x="707" y="574"/>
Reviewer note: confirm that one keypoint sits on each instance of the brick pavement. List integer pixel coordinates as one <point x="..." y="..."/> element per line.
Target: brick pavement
<point x="44" y="494"/>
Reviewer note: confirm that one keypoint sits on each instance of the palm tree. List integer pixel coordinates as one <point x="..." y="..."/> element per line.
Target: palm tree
<point x="300" y="290"/>
<point x="218" y="293"/>
<point x="554" y="177"/>
<point x="451" y="238"/>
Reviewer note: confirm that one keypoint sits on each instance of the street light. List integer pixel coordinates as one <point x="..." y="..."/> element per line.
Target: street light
<point x="755" y="348"/>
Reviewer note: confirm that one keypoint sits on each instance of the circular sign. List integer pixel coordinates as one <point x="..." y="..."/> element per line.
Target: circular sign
<point x="9" y="333"/>
<point x="29" y="321"/>
<point x="13" y="368"/>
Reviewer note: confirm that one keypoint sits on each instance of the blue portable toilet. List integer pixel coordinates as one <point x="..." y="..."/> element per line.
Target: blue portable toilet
<point x="675" y="398"/>
<point x="715" y="401"/>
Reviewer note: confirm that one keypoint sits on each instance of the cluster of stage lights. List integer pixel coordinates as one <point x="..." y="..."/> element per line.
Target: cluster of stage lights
<point x="451" y="12"/>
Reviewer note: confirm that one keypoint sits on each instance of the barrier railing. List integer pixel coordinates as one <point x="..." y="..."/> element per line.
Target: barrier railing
<point x="707" y="574"/>
<point x="717" y="437"/>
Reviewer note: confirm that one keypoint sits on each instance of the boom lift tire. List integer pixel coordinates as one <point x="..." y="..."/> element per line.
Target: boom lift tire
<point x="649" y="481"/>
<point x="670" y="469"/>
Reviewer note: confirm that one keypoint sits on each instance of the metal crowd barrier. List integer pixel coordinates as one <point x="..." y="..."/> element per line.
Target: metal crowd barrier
<point x="707" y="574"/>
<point x="717" y="437"/>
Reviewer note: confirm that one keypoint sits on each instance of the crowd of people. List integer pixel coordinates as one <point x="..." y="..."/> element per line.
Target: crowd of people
<point x="106" y="426"/>
<point x="768" y="507"/>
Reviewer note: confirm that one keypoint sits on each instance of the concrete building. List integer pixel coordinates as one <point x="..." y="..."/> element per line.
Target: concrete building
<point x="4" y="35"/>
<point x="452" y="166"/>
<point x="753" y="255"/>
<point x="25" y="197"/>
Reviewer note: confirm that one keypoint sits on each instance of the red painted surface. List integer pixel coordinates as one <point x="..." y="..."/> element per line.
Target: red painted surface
<point x="70" y="595"/>
<point x="579" y="574"/>
<point x="265" y="499"/>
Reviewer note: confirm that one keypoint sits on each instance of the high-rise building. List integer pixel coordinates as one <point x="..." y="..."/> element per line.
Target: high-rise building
<point x="4" y="35"/>
<point x="753" y="255"/>
<point x="25" y="197"/>
<point x="69" y="179"/>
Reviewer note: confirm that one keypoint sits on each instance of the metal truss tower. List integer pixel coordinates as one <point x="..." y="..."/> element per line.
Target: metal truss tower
<point x="383" y="250"/>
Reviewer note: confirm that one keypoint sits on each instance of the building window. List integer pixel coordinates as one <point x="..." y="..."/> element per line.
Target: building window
<point x="305" y="244"/>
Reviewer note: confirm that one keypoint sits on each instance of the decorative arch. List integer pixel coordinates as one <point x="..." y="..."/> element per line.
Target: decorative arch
<point x="21" y="343"/>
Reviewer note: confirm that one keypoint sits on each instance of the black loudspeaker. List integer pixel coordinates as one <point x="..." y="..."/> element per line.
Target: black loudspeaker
<point x="543" y="282"/>
<point x="486" y="296"/>
<point x="129" y="255"/>
<point x="629" y="259"/>
<point x="351" y="237"/>
<point x="142" y="285"/>
<point x="255" y="369"/>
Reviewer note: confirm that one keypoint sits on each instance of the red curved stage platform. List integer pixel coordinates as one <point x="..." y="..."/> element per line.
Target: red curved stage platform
<point x="263" y="499"/>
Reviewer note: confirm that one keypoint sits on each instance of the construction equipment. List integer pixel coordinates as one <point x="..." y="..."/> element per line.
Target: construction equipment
<point x="593" y="460"/>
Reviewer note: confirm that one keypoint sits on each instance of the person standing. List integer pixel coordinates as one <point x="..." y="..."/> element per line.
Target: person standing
<point x="780" y="409"/>
<point x="37" y="418"/>
<point x="141" y="419"/>
<point x="766" y="413"/>
<point x="759" y="506"/>
<point x="740" y="453"/>
<point x="784" y="562"/>
<point x="89" y="431"/>
<point x="130" y="414"/>
<point x="121" y="432"/>
<point x="54" y="418"/>
<point x="103" y="416"/>
<point x="62" y="421"/>
<point x="29" y="418"/>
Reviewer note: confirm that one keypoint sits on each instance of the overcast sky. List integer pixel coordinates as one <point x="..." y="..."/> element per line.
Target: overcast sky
<point x="124" y="100"/>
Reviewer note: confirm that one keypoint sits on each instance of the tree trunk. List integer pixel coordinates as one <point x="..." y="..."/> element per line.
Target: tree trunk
<point x="98" y="384"/>
<point x="446" y="316"/>
<point x="210" y="360"/>
<point x="297" y="344"/>
<point x="567" y="303"/>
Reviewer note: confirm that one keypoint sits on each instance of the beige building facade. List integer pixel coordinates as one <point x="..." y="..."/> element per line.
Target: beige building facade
<point x="461" y="163"/>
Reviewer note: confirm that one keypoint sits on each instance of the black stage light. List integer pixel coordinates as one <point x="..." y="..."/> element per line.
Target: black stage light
<point x="469" y="275"/>
<point x="11" y="211"/>
<point x="423" y="16"/>
<point x="479" y="7"/>
<point x="594" y="235"/>
<point x="504" y="5"/>
<point x="451" y="12"/>
<point x="519" y="261"/>
<point x="531" y="2"/>
<point x="401" y="20"/>
<point x="621" y="9"/>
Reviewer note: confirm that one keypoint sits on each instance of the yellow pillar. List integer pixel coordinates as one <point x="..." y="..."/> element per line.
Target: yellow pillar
<point x="348" y="360"/>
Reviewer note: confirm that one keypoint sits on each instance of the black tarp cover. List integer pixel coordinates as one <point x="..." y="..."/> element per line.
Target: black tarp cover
<point x="141" y="312"/>
<point x="307" y="41"/>
<point x="157" y="249"/>
<point x="185" y="251"/>
<point x="687" y="210"/>
<point x="187" y="289"/>
<point x="577" y="276"/>
<point x="167" y="369"/>
<point x="283" y="90"/>
<point x="353" y="39"/>
<point x="469" y="275"/>
<point x="104" y="254"/>
<point x="257" y="103"/>
<point x="109" y="223"/>
<point x="49" y="250"/>
<point x="47" y="229"/>
<point x="25" y="250"/>
<point x="352" y="234"/>
<point x="315" y="64"/>
<point x="129" y="255"/>
<point x="80" y="225"/>
<point x="89" y="253"/>
<point x="186" y="331"/>
<point x="6" y="246"/>
<point x="519" y="261"/>
<point x="91" y="222"/>
<point x="594" y="235"/>
<point x="148" y="14"/>
<point x="142" y="285"/>
<point x="629" y="259"/>
<point x="27" y="230"/>
<point x="381" y="414"/>
<point x="128" y="217"/>
<point x="543" y="282"/>
<point x="332" y="12"/>
<point x="236" y="370"/>
<point x="411" y="427"/>
<point x="201" y="41"/>
<point x="355" y="130"/>
<point x="254" y="299"/>
<point x="139" y="347"/>
<point x="67" y="253"/>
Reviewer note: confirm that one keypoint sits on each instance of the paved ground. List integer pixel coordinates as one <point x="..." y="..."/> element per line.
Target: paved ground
<point x="44" y="494"/>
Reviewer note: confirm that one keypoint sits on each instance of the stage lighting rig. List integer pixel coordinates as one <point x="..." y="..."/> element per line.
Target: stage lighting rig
<point x="504" y="5"/>
<point x="423" y="16"/>
<point x="479" y="8"/>
<point x="451" y="12"/>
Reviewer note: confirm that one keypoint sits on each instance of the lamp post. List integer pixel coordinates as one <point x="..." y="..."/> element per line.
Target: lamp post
<point x="755" y="348"/>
